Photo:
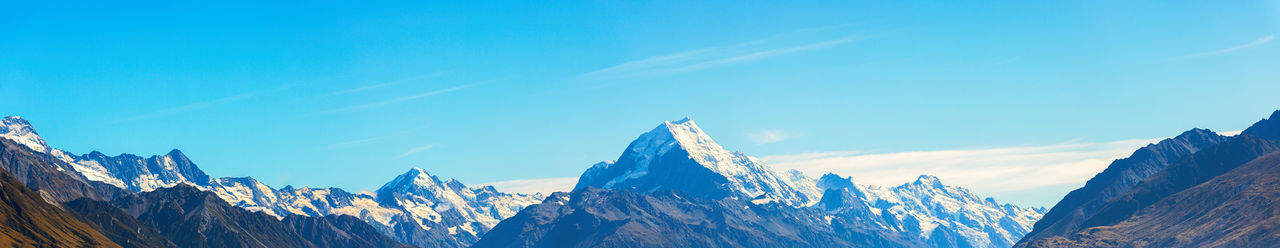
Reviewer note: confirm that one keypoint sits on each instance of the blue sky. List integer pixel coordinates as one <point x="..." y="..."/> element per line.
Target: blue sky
<point x="350" y="95"/>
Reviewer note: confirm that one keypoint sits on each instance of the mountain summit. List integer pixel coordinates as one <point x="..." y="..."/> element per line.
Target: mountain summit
<point x="678" y="155"/>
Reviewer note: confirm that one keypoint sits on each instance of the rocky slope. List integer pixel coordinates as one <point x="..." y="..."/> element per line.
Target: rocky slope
<point x="1219" y="196"/>
<point x="1069" y="214"/>
<point x="26" y="220"/>
<point x="1236" y="209"/>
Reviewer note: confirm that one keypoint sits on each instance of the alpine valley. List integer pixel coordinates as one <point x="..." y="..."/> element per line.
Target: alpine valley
<point x="673" y="186"/>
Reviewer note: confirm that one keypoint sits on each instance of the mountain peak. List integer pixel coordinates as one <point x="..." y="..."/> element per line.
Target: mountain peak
<point x="414" y="178"/>
<point x="682" y="121"/>
<point x="17" y="129"/>
<point x="928" y="180"/>
<point x="678" y="155"/>
<point x="1268" y="128"/>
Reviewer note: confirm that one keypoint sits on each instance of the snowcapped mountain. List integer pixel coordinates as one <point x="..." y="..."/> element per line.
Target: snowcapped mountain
<point x="679" y="156"/>
<point x="939" y="215"/>
<point x="415" y="208"/>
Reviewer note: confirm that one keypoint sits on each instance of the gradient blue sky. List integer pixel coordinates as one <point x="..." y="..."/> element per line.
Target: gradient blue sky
<point x="350" y="95"/>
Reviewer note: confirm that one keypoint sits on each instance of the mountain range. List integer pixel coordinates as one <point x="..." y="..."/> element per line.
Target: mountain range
<point x="671" y="186"/>
<point x="677" y="160"/>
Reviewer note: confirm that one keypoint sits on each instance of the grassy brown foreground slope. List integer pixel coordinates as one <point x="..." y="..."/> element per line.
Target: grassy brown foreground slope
<point x="28" y="221"/>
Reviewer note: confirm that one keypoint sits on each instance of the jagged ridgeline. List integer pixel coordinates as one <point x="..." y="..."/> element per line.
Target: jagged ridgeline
<point x="675" y="186"/>
<point x="415" y="208"/>
<point x="672" y="186"/>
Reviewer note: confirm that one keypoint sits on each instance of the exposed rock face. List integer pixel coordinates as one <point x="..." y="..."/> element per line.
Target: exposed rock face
<point x="190" y="217"/>
<point x="26" y="220"/>
<point x="339" y="231"/>
<point x="116" y="224"/>
<point x="1069" y="214"/>
<point x="592" y="217"/>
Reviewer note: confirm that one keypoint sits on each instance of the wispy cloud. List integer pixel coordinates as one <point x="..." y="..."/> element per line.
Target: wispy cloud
<point x="1256" y="42"/>
<point x="382" y="85"/>
<point x="768" y="136"/>
<point x="204" y="104"/>
<point x="361" y="142"/>
<point x="416" y="150"/>
<point x="711" y="57"/>
<point x="538" y="185"/>
<point x="987" y="171"/>
<point x="400" y="99"/>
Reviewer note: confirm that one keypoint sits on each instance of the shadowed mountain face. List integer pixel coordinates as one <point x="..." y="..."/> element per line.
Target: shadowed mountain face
<point x="26" y="220"/>
<point x="116" y="224"/>
<point x="1236" y="209"/>
<point x="1069" y="214"/>
<point x="1220" y="196"/>
<point x="193" y="218"/>
<point x="592" y="217"/>
<point x="338" y="231"/>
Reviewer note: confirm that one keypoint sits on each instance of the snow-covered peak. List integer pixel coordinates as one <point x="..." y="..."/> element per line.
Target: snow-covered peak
<point x="679" y="155"/>
<point x="19" y="130"/>
<point x="414" y="178"/>
<point x="928" y="181"/>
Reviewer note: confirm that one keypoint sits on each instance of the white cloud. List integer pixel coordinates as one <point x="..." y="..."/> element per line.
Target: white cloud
<point x="1256" y="42"/>
<point x="1231" y="133"/>
<point x="768" y="136"/>
<point x="986" y="171"/>
<point x="698" y="59"/>
<point x="417" y="150"/>
<point x="538" y="185"/>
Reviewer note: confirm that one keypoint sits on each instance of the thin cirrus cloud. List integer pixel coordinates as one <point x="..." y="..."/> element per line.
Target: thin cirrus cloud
<point x="400" y="99"/>
<point x="711" y="57"/>
<point x="544" y="186"/>
<point x="1254" y="43"/>
<point x="416" y="150"/>
<point x="986" y="171"/>
<point x="204" y="105"/>
<point x="366" y="141"/>
<point x="383" y="85"/>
